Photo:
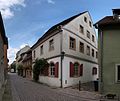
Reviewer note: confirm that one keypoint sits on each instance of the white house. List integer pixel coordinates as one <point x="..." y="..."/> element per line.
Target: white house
<point x="71" y="50"/>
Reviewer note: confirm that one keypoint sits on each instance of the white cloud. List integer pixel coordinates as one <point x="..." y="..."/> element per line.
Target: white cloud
<point x="12" y="54"/>
<point x="6" y="7"/>
<point x="51" y="1"/>
<point x="23" y="45"/>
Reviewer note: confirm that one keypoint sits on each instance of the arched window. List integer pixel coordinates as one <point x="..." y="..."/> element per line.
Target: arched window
<point x="76" y="69"/>
<point x="94" y="71"/>
<point x="52" y="69"/>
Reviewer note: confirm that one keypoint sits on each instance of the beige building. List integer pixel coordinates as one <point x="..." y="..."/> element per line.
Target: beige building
<point x="71" y="50"/>
<point x="20" y="56"/>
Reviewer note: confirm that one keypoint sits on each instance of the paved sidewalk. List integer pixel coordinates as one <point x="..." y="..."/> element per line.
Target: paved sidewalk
<point x="82" y="94"/>
<point x="7" y="96"/>
<point x="25" y="90"/>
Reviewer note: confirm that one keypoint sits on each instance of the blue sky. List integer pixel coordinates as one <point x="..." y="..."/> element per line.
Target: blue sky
<point x="27" y="20"/>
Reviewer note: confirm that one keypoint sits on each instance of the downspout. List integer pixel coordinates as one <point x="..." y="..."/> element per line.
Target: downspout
<point x="61" y="59"/>
<point x="100" y="48"/>
<point x="101" y="61"/>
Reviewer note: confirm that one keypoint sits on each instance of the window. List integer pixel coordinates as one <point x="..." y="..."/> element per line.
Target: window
<point x="92" y="52"/>
<point x="88" y="34"/>
<point x="34" y="53"/>
<point x="85" y="19"/>
<point x="88" y="50"/>
<point x="81" y="47"/>
<point x="96" y="54"/>
<point x="51" y="45"/>
<point x="52" y="69"/>
<point x="94" y="71"/>
<point x="90" y="24"/>
<point x="76" y="66"/>
<point x="118" y="72"/>
<point x="41" y="50"/>
<point x="76" y="69"/>
<point x="81" y="29"/>
<point x="93" y="38"/>
<point x="72" y="43"/>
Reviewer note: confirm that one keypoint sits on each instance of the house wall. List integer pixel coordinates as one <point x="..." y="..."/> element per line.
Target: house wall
<point x="87" y="72"/>
<point x="1" y="61"/>
<point x="52" y="81"/>
<point x="46" y="52"/>
<point x="72" y="30"/>
<point x="26" y="48"/>
<point x="111" y="56"/>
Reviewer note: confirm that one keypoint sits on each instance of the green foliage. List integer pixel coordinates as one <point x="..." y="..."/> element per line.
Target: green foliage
<point x="20" y="68"/>
<point x="13" y="66"/>
<point x="39" y="67"/>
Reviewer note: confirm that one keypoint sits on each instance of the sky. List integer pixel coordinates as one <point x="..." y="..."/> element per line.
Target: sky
<point x="26" y="21"/>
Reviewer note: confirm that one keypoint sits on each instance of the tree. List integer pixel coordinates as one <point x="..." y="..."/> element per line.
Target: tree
<point x="39" y="66"/>
<point x="13" y="66"/>
<point x="20" y="69"/>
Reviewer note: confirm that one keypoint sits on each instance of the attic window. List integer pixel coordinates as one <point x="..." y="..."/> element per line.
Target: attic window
<point x="85" y="19"/>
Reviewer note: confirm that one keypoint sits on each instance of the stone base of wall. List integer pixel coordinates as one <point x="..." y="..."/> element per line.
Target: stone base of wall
<point x="89" y="86"/>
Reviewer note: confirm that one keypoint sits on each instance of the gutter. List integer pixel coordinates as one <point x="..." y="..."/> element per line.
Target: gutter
<point x="101" y="61"/>
<point x="62" y="55"/>
<point x="100" y="58"/>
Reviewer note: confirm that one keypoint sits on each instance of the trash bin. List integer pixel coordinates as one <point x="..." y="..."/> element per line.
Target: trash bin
<point x="96" y="85"/>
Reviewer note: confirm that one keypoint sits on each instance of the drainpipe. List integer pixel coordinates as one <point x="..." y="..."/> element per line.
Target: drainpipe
<point x="62" y="56"/>
<point x="101" y="61"/>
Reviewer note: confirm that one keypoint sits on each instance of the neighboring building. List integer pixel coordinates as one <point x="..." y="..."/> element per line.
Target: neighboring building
<point x="71" y="50"/>
<point x="109" y="53"/>
<point x="19" y="56"/>
<point x="27" y="64"/>
<point x="3" y="54"/>
<point x="13" y="67"/>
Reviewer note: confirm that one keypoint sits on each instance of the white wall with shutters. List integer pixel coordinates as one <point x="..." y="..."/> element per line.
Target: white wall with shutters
<point x="87" y="72"/>
<point x="52" y="81"/>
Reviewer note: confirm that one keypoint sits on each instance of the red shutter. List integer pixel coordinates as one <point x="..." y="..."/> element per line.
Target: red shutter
<point x="81" y="70"/>
<point x="56" y="69"/>
<point x="46" y="71"/>
<point x="71" y="69"/>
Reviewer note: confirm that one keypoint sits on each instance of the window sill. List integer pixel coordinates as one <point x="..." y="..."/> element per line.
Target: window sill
<point x="75" y="77"/>
<point x="73" y="49"/>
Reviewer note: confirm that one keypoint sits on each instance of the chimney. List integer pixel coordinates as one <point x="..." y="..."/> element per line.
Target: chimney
<point x="116" y="14"/>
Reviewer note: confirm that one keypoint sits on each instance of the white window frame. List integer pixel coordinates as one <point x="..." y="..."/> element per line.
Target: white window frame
<point x="116" y="73"/>
<point x="51" y="72"/>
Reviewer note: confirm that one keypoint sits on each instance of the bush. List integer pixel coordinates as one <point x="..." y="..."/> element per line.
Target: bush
<point x="39" y="67"/>
<point x="20" y="68"/>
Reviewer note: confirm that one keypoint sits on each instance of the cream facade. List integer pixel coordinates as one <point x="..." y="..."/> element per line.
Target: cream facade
<point x="71" y="50"/>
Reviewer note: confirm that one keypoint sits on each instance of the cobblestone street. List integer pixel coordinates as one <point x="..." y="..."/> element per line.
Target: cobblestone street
<point x="25" y="90"/>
